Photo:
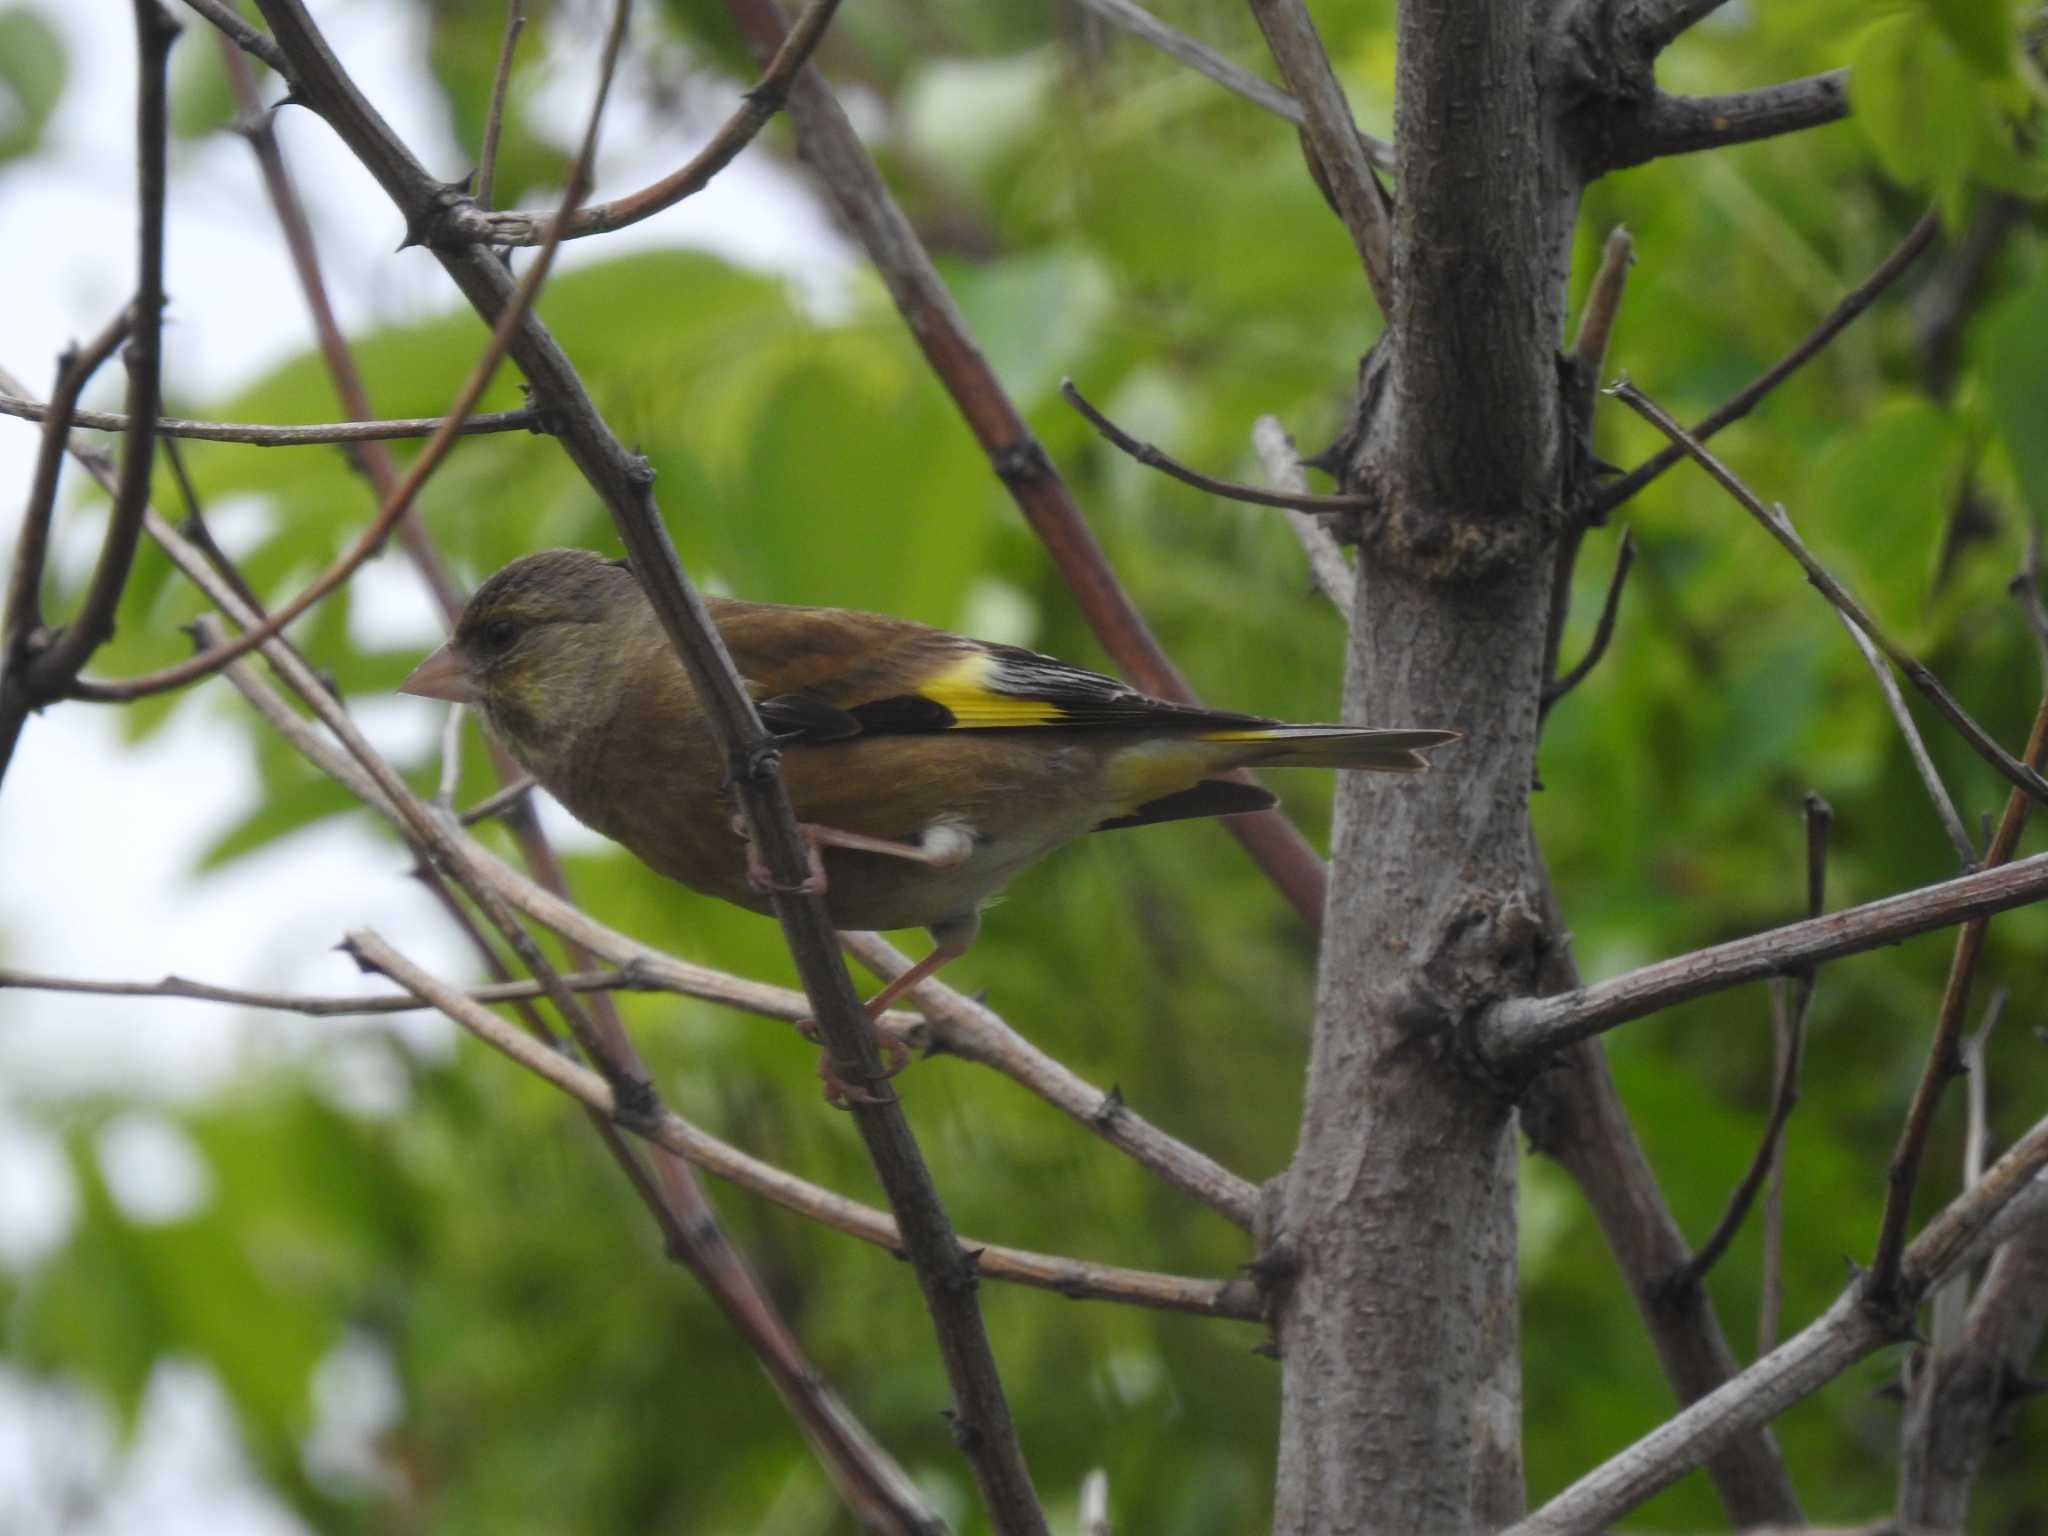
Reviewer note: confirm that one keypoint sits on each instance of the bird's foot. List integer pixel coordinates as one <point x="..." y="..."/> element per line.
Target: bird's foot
<point x="761" y="878"/>
<point x="841" y="1094"/>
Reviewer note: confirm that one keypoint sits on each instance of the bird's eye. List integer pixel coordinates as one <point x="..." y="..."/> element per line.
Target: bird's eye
<point x="498" y="634"/>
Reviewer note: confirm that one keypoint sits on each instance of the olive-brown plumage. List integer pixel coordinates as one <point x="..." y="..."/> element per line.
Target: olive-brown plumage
<point x="967" y="761"/>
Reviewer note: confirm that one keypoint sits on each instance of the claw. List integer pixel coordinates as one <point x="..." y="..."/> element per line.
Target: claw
<point x="762" y="879"/>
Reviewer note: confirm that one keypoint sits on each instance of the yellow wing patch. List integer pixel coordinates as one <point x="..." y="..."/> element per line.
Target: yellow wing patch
<point x="963" y="689"/>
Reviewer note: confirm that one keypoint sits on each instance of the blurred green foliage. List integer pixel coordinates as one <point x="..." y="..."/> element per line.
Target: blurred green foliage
<point x="1103" y="215"/>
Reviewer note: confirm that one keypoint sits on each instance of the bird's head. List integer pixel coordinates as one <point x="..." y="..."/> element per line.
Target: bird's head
<point x="537" y="649"/>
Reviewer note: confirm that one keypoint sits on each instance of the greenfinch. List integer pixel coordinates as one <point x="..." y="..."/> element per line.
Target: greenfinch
<point x="927" y="768"/>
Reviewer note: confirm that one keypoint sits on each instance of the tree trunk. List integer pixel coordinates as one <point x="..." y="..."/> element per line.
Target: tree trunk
<point x="1401" y="1403"/>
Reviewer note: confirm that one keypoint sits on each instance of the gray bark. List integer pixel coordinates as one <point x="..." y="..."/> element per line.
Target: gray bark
<point x="1401" y="1400"/>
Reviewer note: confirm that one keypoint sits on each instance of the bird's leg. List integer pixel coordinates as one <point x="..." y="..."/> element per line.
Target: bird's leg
<point x="941" y="845"/>
<point x="950" y="940"/>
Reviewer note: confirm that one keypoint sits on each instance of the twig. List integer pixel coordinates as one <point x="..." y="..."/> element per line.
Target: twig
<point x="944" y="1271"/>
<point x="1775" y="523"/>
<point x="1073" y="1278"/>
<point x="1603" y="631"/>
<point x="245" y="37"/>
<point x="963" y="1027"/>
<point x="1785" y="1092"/>
<point x="1603" y="302"/>
<point x="494" y="113"/>
<point x="1683" y="125"/>
<point x="1327" y="567"/>
<point x="760" y="104"/>
<point x="1204" y="60"/>
<point x="1930" y="776"/>
<point x="1819" y="1353"/>
<point x="1333" y="140"/>
<point x="48" y="673"/>
<point x="313" y="1007"/>
<point x="827" y="142"/>
<point x="451" y="760"/>
<point x="1942" y="1063"/>
<point x="1235" y="490"/>
<point x="430" y="456"/>
<point x="1770" y="1304"/>
<point x="500" y="802"/>
<point x="1977" y="1143"/>
<point x="1574" y="1113"/>
<point x="22" y="634"/>
<point x="1888" y="271"/>
<point x="1519" y="1033"/>
<point x="259" y="130"/>
<point x="266" y="435"/>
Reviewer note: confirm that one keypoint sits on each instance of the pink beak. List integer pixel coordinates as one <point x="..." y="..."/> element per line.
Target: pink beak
<point x="443" y="675"/>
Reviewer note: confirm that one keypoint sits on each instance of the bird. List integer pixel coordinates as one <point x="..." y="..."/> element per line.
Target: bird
<point x="926" y="768"/>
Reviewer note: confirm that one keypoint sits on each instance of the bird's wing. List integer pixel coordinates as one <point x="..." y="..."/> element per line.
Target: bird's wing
<point x="822" y="674"/>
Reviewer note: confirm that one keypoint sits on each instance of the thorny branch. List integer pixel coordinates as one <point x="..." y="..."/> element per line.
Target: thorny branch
<point x="266" y="435"/>
<point x="1785" y="1091"/>
<point x="1779" y="526"/>
<point x="1739" y="405"/>
<point x="1942" y="1062"/>
<point x="1233" y="490"/>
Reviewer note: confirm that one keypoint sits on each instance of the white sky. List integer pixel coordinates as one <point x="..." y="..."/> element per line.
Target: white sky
<point x="97" y="842"/>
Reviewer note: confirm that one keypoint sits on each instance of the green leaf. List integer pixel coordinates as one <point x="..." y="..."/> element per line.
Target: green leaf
<point x="33" y="67"/>
<point x="1982" y="30"/>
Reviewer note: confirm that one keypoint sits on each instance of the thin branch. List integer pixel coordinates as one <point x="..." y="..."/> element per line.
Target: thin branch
<point x="494" y="112"/>
<point x="1785" y="1092"/>
<point x="1332" y="139"/>
<point x="1198" y="56"/>
<point x="24" y="613"/>
<point x="314" y="1007"/>
<point x="1779" y="527"/>
<point x="1603" y="302"/>
<point x="497" y="804"/>
<point x="1574" y="1114"/>
<point x="1684" y="125"/>
<point x="1073" y="1278"/>
<point x="1603" y="631"/>
<point x="1942" y="1062"/>
<point x="964" y="1027"/>
<point x="943" y="1269"/>
<point x="1771" y="1210"/>
<point x="1930" y="776"/>
<point x="230" y="25"/>
<point x="265" y="435"/>
<point x="1888" y="271"/>
<point x="51" y="672"/>
<point x="430" y="456"/>
<point x="760" y="104"/>
<point x="258" y="129"/>
<point x="1234" y="490"/>
<point x="1519" y="1033"/>
<point x="1327" y="567"/>
<point x="827" y="142"/>
<point x="1973" y="1391"/>
<point x="1844" y="1334"/>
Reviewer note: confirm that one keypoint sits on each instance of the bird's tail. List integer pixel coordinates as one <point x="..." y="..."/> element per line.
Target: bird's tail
<point x="1370" y="748"/>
